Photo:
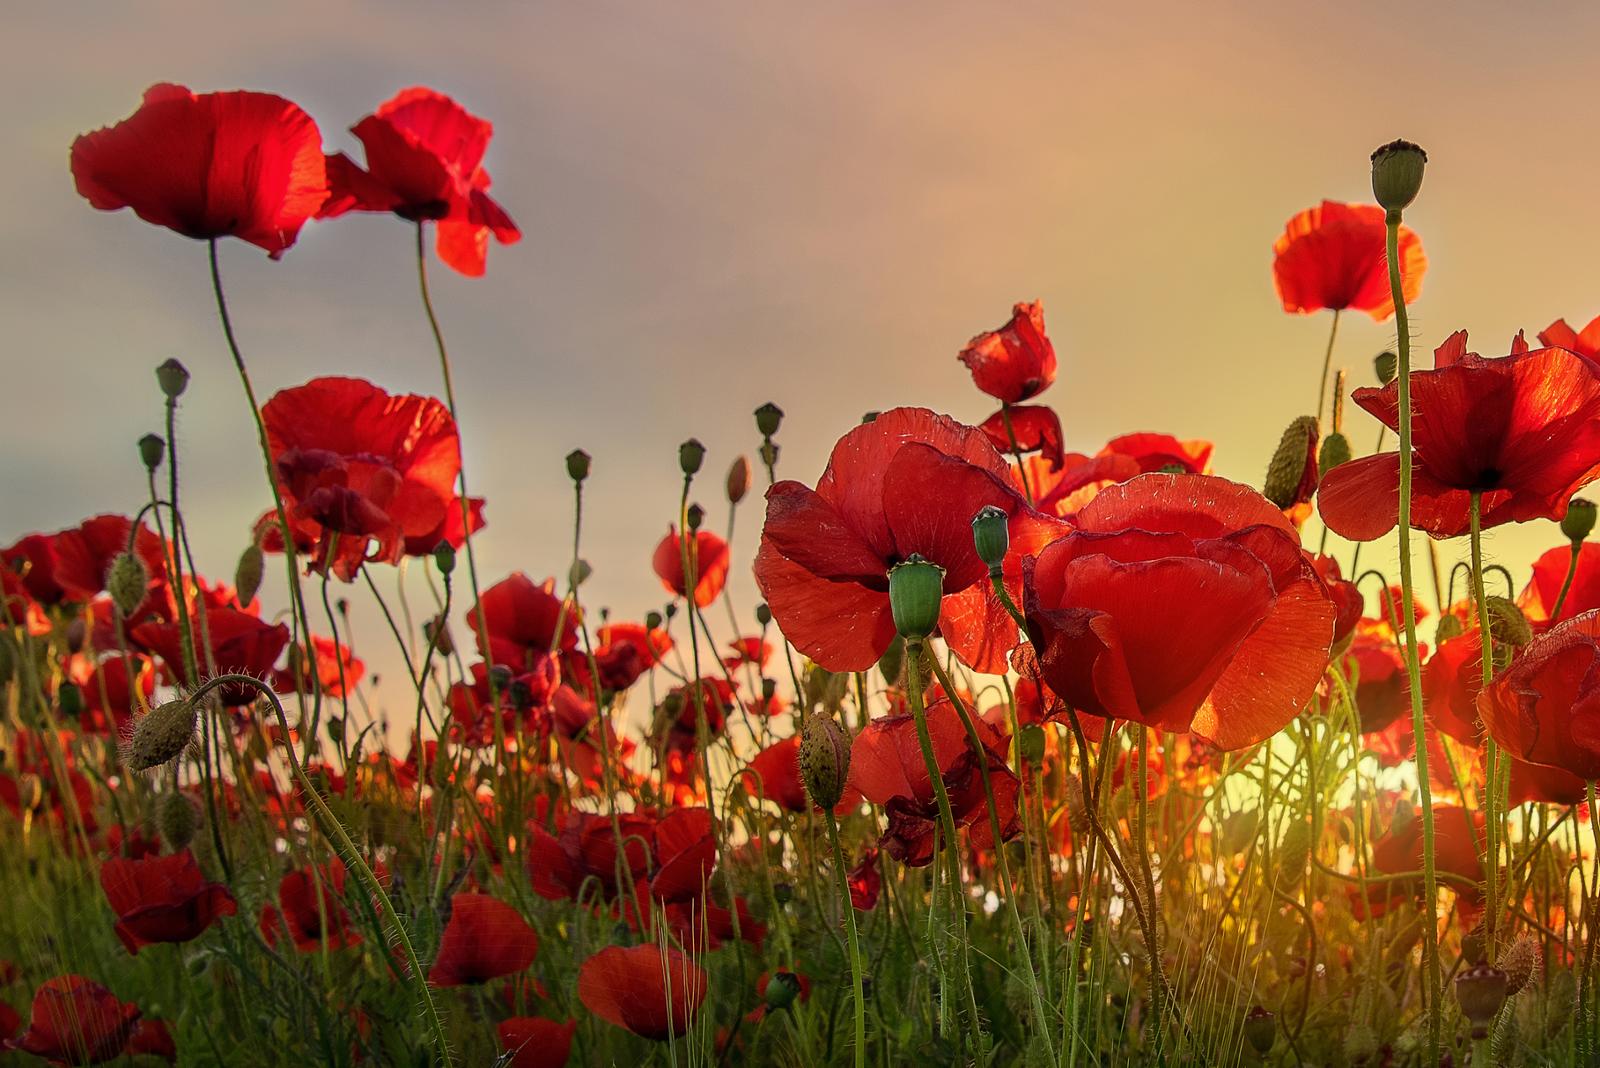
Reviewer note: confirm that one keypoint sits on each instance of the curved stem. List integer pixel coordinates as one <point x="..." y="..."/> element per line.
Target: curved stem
<point x="1566" y="583"/>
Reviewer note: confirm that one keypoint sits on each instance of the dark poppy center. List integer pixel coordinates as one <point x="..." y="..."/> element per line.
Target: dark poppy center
<point x="1489" y="478"/>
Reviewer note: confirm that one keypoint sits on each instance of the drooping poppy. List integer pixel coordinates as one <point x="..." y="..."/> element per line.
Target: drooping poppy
<point x="908" y="482"/>
<point x="1539" y="597"/>
<point x="162" y="899"/>
<point x="708" y="556"/>
<point x="1545" y="707"/>
<point x="1333" y="256"/>
<point x="1585" y="342"/>
<point x="535" y="1042"/>
<point x="425" y="163"/>
<point x="652" y="992"/>
<point x="239" y="643"/>
<point x="1183" y="602"/>
<point x="1015" y="362"/>
<point x="312" y="909"/>
<point x="1522" y="430"/>
<point x="522" y="619"/>
<point x="208" y="165"/>
<point x="485" y="939"/>
<point x="76" y="1021"/>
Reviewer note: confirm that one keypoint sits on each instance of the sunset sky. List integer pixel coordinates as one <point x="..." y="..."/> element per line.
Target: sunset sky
<point x="816" y="205"/>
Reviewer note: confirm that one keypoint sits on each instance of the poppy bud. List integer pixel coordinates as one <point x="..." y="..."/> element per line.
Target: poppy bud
<point x="1481" y="990"/>
<point x="915" y="590"/>
<point x="768" y="418"/>
<point x="578" y="465"/>
<point x="696" y="516"/>
<point x="177" y="818"/>
<point x="437" y="630"/>
<point x="1475" y="945"/>
<point x="763" y="614"/>
<point x="1338" y="402"/>
<point x="1386" y="365"/>
<point x="691" y="454"/>
<point x="1031" y="743"/>
<point x="782" y="989"/>
<point x="1335" y="451"/>
<point x="247" y="576"/>
<point x="769" y="689"/>
<point x="127" y="582"/>
<point x="824" y="760"/>
<point x="671" y="609"/>
<point x="161" y="734"/>
<point x="1450" y="626"/>
<point x="1579" y="520"/>
<point x="1291" y="476"/>
<point x="652" y="620"/>
<point x="336" y="729"/>
<point x="1397" y="174"/>
<point x="782" y="893"/>
<point x="579" y="573"/>
<point x="769" y="454"/>
<point x="444" y="557"/>
<point x="991" y="536"/>
<point x="892" y="660"/>
<point x="738" y="480"/>
<point x="1507" y="624"/>
<point x="1294" y="853"/>
<point x="174" y="379"/>
<point x="151" y="450"/>
<point x="1521" y="963"/>
<point x="1260" y="1029"/>
<point x="70" y="698"/>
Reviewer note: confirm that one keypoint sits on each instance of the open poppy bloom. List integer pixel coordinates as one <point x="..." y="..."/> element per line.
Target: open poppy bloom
<point x="774" y="774"/>
<point x="1545" y="707"/>
<point x="1521" y="430"/>
<point x="1333" y="256"/>
<point x="1451" y="680"/>
<point x="240" y="643"/>
<point x="1063" y="491"/>
<point x="1015" y="362"/>
<point x="653" y="993"/>
<point x="311" y="910"/>
<point x="425" y="162"/>
<point x="1398" y="851"/>
<point x="1585" y="342"/>
<point x="522" y="619"/>
<point x="1183" y="602"/>
<point x="708" y="557"/>
<point x="70" y="566"/>
<point x="162" y="899"/>
<point x="76" y="1021"/>
<point x="908" y="482"/>
<point x="535" y="1042"/>
<point x="626" y="651"/>
<point x="1539" y="597"/>
<point x="485" y="939"/>
<point x="208" y="165"/>
<point x="356" y="463"/>
<point x="586" y="849"/>
<point x="888" y="768"/>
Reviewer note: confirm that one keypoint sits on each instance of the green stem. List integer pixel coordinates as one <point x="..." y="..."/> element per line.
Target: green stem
<point x="849" y="910"/>
<point x="1327" y="364"/>
<point x="1491" y="857"/>
<point x="1566" y="583"/>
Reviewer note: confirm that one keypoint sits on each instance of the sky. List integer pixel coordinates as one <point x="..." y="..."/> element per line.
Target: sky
<point x="731" y="203"/>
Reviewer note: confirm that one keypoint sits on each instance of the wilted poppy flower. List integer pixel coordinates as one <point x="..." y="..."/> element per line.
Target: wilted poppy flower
<point x="535" y="1042"/>
<point x="651" y="992"/>
<point x="908" y="482"/>
<point x="708" y="556"/>
<point x="312" y="910"/>
<point x="1015" y="362"/>
<point x="1183" y="602"/>
<point x="1034" y="428"/>
<point x="522" y="619"/>
<point x="162" y="899"/>
<point x="76" y="1021"/>
<point x="1333" y="256"/>
<point x="425" y="162"/>
<point x="1545" y="707"/>
<point x="1538" y="598"/>
<point x="1586" y="343"/>
<point x="240" y="643"/>
<point x="208" y="165"/>
<point x="485" y="939"/>
<point x="1521" y="430"/>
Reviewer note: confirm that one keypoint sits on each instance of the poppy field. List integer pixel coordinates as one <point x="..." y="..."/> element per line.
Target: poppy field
<point x="1025" y="756"/>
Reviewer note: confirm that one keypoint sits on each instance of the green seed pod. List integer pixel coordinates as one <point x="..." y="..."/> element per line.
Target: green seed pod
<point x="579" y="573"/>
<point x="781" y="990"/>
<point x="127" y="582"/>
<point x="763" y="614"/>
<point x="1579" y="520"/>
<point x="173" y="378"/>
<point x="653" y="620"/>
<point x="769" y="453"/>
<point x="247" y="575"/>
<point x="1481" y="990"/>
<point x="738" y="479"/>
<point x="161" y="735"/>
<point x="991" y="536"/>
<point x="1335" y="451"/>
<point x="824" y="760"/>
<point x="578" y="465"/>
<point x="1507" y="624"/>
<point x="1397" y="174"/>
<point x="1260" y="1029"/>
<point x="1030" y="743"/>
<point x="1387" y="366"/>
<point x="695" y="516"/>
<point x="151" y="450"/>
<point x="768" y="418"/>
<point x="1292" y="474"/>
<point x="444" y="557"/>
<point x="177" y="818"/>
<point x="915" y="589"/>
<point x="691" y="454"/>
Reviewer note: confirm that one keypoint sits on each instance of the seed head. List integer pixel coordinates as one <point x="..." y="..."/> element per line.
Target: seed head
<point x="578" y="465"/>
<point x="1579" y="520"/>
<point x="1481" y="990"/>
<point x="991" y="536"/>
<point x="691" y="454"/>
<point x="174" y="379"/>
<point x="1397" y="174"/>
<point x="152" y="448"/>
<point x="915" y="589"/>
<point x="768" y="418"/>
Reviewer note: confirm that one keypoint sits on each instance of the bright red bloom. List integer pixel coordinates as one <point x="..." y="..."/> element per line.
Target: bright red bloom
<point x="750" y="650"/>
<point x="312" y="910"/>
<point x="425" y="162"/>
<point x="685" y="852"/>
<point x="774" y="774"/>
<point x="1399" y="851"/>
<point x="76" y="1021"/>
<point x="908" y="482"/>
<point x="1538" y="598"/>
<point x="1333" y="256"/>
<point x="1347" y="599"/>
<point x="208" y="165"/>
<point x="1545" y="707"/>
<point x="1016" y="361"/>
<point x="1035" y="428"/>
<point x="162" y="899"/>
<point x="71" y="565"/>
<point x="651" y="992"/>
<point x="1586" y="343"/>
<point x="1383" y="688"/>
<point x="108" y="692"/>
<point x="1540" y="782"/>
<point x="374" y="469"/>
<point x="535" y="1042"/>
<point x="522" y="619"/>
<point x="1451" y="680"/>
<point x="1183" y="602"/>
<point x="485" y="939"/>
<point x="1521" y="430"/>
<point x="240" y="643"/>
<point x="709" y="559"/>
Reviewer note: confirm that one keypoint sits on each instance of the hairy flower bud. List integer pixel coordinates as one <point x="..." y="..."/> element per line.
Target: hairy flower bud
<point x="1450" y="626"/>
<point x="1507" y="624"/>
<point x="691" y="454"/>
<point x="824" y="760"/>
<point x="1521" y="963"/>
<point x="173" y="378"/>
<point x="1292" y="474"/>
<point x="768" y="418"/>
<point x="247" y="575"/>
<point x="991" y="536"/>
<point x="161" y="734"/>
<point x="177" y="818"/>
<point x="1030" y="743"/>
<point x="1579" y="520"/>
<point x="152" y="449"/>
<point x="1335" y="451"/>
<point x="579" y="573"/>
<point x="1294" y="853"/>
<point x="1397" y="174"/>
<point x="437" y="630"/>
<point x="578" y="465"/>
<point x="1481" y="990"/>
<point x="915" y="589"/>
<point x="127" y="582"/>
<point x="738" y="479"/>
<point x="1386" y="365"/>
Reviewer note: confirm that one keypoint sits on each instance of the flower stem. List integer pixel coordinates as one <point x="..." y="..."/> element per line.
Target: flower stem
<point x="1566" y="583"/>
<point x="848" y="907"/>
<point x="1327" y="365"/>
<point x="1491" y="916"/>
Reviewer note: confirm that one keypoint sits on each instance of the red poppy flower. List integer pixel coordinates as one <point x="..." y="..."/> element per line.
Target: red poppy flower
<point x="908" y="482"/>
<point x="685" y="852"/>
<point x="208" y="165"/>
<point x="1451" y="680"/>
<point x="76" y="1021"/>
<point x="587" y="849"/>
<point x="1015" y="362"/>
<point x="750" y="650"/>
<point x="1035" y="428"/>
<point x="709" y="560"/>
<point x="374" y="469"/>
<point x="1545" y="707"/>
<point x="626" y="651"/>
<point x="337" y="669"/>
<point x="1333" y="256"/>
<point x="1540" y="782"/>
<point x="1183" y="602"/>
<point x="311" y="909"/>
<point x="651" y="992"/>
<point x="1347" y="599"/>
<point x="108" y="692"/>
<point x="485" y="939"/>
<point x="162" y="899"/>
<point x="425" y="162"/>
<point x="1383" y="688"/>
<point x="1522" y="430"/>
<point x="702" y="925"/>
<point x="239" y="643"/>
<point x="71" y="565"/>
<point x="535" y="1042"/>
<point x="1538" y="598"/>
<point x="774" y="774"/>
<point x="683" y="706"/>
<point x="522" y="619"/>
<point x="1586" y="343"/>
<point x="153" y="1039"/>
<point x="865" y="881"/>
<point x="1456" y="835"/>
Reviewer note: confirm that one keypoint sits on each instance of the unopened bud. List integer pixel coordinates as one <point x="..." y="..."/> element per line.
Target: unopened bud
<point x="437" y="630"/>
<point x="1450" y="626"/>
<point x="991" y="536"/>
<point x="1077" y="807"/>
<point x="127" y="582"/>
<point x="151" y="450"/>
<point x="824" y="760"/>
<point x="768" y="418"/>
<point x="1481" y="990"/>
<point x="738" y="479"/>
<point x="1294" y="853"/>
<point x="174" y="379"/>
<point x="1292" y="474"/>
<point x="1507" y="624"/>
<point x="653" y="620"/>
<point x="1579" y="520"/>
<point x="916" y="588"/>
<point x="1030" y="743"/>
<point x="1386" y="365"/>
<point x="1397" y="174"/>
<point x="695" y="517"/>
<point x="691" y="454"/>
<point x="177" y="818"/>
<point x="578" y="465"/>
<point x="579" y="573"/>
<point x="444" y="557"/>
<point x="1335" y="451"/>
<point x="1260" y="1029"/>
<point x="247" y="575"/>
<point x="1521" y="963"/>
<point x="161" y="734"/>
